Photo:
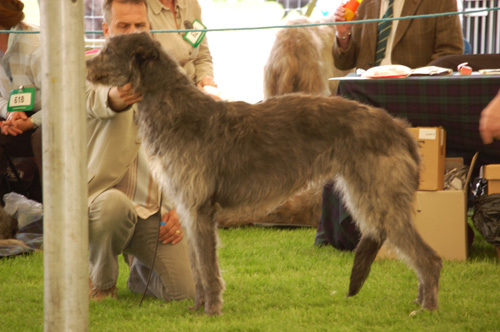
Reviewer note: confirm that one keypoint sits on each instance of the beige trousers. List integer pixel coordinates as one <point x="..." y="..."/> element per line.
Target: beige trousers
<point x="115" y="228"/>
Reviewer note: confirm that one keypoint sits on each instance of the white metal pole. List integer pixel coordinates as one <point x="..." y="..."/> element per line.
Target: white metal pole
<point x="64" y="166"/>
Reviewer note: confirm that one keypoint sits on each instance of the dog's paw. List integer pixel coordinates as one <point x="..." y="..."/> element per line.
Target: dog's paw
<point x="197" y="306"/>
<point x="415" y="312"/>
<point x="213" y="311"/>
<point x="420" y="312"/>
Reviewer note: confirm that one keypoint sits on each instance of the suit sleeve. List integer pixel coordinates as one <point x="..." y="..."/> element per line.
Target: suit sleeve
<point x="449" y="39"/>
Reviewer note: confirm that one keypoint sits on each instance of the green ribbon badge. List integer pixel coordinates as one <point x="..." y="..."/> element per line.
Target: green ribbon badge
<point x="21" y="99"/>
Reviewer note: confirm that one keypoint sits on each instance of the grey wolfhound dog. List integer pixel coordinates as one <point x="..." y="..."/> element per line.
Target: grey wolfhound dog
<point x="209" y="155"/>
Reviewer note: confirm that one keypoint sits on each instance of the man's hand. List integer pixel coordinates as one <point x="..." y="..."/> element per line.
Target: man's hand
<point x="339" y="15"/>
<point x="209" y="82"/>
<point x="170" y="229"/>
<point x="16" y="124"/>
<point x="121" y="97"/>
<point x="489" y="123"/>
<point x="206" y="81"/>
<point x="343" y="30"/>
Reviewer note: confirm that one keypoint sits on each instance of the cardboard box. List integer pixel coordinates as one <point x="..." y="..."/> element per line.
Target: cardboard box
<point x="492" y="174"/>
<point x="441" y="220"/>
<point x="451" y="163"/>
<point x="432" y="144"/>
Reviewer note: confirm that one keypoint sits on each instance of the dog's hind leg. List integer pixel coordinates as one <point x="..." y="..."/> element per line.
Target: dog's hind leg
<point x="365" y="254"/>
<point x="203" y="246"/>
<point x="426" y="262"/>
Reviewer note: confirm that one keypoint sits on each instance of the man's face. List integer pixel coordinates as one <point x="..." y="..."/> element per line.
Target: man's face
<point x="126" y="18"/>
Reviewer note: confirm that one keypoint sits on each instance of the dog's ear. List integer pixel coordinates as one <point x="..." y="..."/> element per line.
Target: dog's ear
<point x="146" y="53"/>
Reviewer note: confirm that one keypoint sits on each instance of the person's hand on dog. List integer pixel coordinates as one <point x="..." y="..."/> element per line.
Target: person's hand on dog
<point x="208" y="81"/>
<point x="170" y="229"/>
<point x="121" y="97"/>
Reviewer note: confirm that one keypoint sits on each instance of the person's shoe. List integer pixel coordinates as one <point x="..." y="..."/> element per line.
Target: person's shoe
<point x="100" y="294"/>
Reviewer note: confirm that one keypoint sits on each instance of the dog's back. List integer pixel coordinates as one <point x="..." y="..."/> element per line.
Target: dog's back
<point x="291" y="140"/>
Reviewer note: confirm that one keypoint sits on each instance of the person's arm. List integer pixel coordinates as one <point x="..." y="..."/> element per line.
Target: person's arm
<point x="122" y="97"/>
<point x="343" y="31"/>
<point x="449" y="38"/>
<point x="104" y="102"/>
<point x="489" y="122"/>
<point x="343" y="46"/>
<point x="36" y="70"/>
<point x="204" y="71"/>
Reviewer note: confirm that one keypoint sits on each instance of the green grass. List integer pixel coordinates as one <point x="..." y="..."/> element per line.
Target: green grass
<point x="278" y="281"/>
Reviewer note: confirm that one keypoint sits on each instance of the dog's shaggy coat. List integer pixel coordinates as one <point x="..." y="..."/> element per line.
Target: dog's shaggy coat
<point x="209" y="155"/>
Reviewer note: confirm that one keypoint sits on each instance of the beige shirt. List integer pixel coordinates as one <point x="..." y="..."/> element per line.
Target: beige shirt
<point x="196" y="62"/>
<point x="112" y="142"/>
<point x="145" y="193"/>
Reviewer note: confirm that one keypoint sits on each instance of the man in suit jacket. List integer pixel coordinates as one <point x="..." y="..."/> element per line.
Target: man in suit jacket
<point x="124" y="201"/>
<point x="413" y="43"/>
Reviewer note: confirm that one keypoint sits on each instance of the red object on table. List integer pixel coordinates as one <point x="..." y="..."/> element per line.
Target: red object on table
<point x="463" y="69"/>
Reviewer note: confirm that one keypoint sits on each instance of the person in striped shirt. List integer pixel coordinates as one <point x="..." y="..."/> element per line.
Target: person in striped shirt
<point x="20" y="58"/>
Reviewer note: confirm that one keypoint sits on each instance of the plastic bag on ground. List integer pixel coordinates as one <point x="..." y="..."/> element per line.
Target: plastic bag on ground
<point x="486" y="217"/>
<point x="23" y="209"/>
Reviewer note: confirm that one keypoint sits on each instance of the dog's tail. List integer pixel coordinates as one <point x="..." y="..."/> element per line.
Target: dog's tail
<point x="366" y="252"/>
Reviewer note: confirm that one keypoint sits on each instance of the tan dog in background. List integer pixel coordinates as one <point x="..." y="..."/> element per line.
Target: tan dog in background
<point x="300" y="61"/>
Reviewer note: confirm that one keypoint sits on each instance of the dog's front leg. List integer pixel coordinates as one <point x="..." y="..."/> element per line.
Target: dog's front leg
<point x="199" y="299"/>
<point x="203" y="246"/>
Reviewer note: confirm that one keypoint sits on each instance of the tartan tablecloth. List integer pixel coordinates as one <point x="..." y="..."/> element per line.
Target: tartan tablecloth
<point x="454" y="102"/>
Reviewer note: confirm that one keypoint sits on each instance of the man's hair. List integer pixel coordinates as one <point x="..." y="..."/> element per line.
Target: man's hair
<point x="106" y="7"/>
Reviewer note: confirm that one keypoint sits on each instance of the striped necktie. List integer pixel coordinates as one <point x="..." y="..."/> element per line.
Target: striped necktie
<point x="384" y="30"/>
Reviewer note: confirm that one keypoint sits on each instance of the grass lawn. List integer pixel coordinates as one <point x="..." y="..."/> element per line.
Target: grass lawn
<point x="277" y="280"/>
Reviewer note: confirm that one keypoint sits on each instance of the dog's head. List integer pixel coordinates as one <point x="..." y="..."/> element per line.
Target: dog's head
<point x="123" y="59"/>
